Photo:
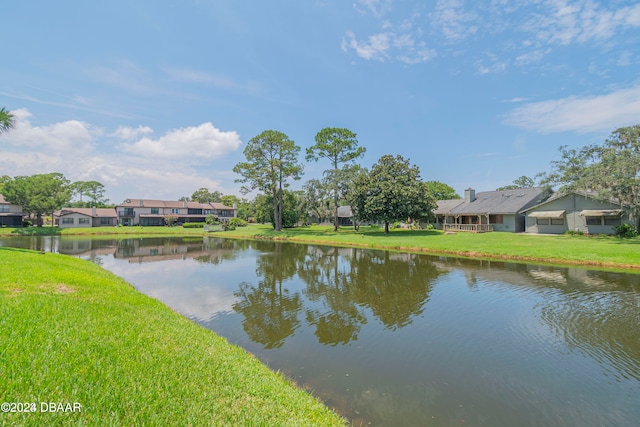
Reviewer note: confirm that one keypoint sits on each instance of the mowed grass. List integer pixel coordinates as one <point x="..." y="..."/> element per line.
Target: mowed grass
<point x="603" y="251"/>
<point x="71" y="332"/>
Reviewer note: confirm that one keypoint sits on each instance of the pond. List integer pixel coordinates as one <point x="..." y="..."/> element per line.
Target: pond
<point x="396" y="339"/>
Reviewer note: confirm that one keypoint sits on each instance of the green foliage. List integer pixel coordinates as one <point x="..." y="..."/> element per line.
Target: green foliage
<point x="272" y="158"/>
<point x="574" y="233"/>
<point x="93" y="190"/>
<point x="170" y="220"/>
<point x="522" y="182"/>
<point x="292" y="210"/>
<point x="202" y="195"/>
<point x="211" y="219"/>
<point x="38" y="194"/>
<point x="193" y="225"/>
<point x="340" y="147"/>
<point x="238" y="222"/>
<point x="441" y="191"/>
<point x="7" y="121"/>
<point x="626" y="231"/>
<point x="611" y="170"/>
<point x="392" y="191"/>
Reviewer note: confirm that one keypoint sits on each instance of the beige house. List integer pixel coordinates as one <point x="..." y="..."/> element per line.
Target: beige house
<point x="575" y="211"/>
<point x="85" y="217"/>
<point x="148" y="212"/>
<point x="10" y="214"/>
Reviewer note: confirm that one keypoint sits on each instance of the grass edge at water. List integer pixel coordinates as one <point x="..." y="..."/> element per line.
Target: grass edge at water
<point x="73" y="332"/>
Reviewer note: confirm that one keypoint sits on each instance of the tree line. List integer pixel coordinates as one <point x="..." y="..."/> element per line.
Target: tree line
<point x="391" y="190"/>
<point x="42" y="194"/>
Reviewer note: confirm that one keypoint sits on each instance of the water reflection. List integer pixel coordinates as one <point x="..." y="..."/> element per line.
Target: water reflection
<point x="405" y="339"/>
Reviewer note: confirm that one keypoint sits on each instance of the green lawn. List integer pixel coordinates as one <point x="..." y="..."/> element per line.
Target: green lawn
<point x="73" y="333"/>
<point x="602" y="251"/>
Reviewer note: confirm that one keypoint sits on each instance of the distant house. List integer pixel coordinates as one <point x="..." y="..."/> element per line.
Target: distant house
<point x="345" y="216"/>
<point x="576" y="211"/>
<point x="147" y="212"/>
<point x="488" y="210"/>
<point x="85" y="217"/>
<point x="10" y="214"/>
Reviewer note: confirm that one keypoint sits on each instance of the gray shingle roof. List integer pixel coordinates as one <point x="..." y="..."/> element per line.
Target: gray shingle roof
<point x="500" y="202"/>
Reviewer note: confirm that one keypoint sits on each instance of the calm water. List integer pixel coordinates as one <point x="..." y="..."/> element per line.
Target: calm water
<point x="392" y="339"/>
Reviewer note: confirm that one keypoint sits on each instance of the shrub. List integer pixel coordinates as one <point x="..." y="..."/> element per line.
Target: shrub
<point x="430" y="227"/>
<point x="374" y="227"/>
<point x="193" y="225"/>
<point x="238" y="222"/>
<point x="26" y="223"/>
<point x="574" y="232"/>
<point x="625" y="231"/>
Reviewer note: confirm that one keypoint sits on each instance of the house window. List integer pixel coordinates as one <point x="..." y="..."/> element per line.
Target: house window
<point x="128" y="211"/>
<point x="104" y="221"/>
<point x="557" y="221"/>
<point x="4" y="208"/>
<point x="155" y="211"/>
<point x="495" y="219"/>
<point x="67" y="220"/>
<point x="194" y="211"/>
<point x="83" y="220"/>
<point x="542" y="221"/>
<point x="594" y="220"/>
<point x="175" y="211"/>
<point x="612" y="220"/>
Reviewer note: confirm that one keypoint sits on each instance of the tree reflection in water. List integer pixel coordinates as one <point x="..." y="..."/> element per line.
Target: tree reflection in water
<point x="340" y="285"/>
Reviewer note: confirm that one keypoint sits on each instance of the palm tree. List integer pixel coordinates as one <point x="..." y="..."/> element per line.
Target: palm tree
<point x="7" y="120"/>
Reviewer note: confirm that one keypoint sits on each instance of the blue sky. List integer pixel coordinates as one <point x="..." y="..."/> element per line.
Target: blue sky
<point x="156" y="99"/>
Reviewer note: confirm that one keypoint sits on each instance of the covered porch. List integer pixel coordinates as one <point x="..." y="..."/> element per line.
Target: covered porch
<point x="479" y="223"/>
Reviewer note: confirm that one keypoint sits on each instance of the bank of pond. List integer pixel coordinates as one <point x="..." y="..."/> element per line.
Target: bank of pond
<point x="382" y="338"/>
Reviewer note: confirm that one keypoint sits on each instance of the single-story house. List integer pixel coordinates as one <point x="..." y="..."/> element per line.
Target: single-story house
<point x="489" y="210"/>
<point x="345" y="216"/>
<point x="10" y="215"/>
<point x="147" y="212"/>
<point x="575" y="211"/>
<point x="85" y="217"/>
<point x="443" y="207"/>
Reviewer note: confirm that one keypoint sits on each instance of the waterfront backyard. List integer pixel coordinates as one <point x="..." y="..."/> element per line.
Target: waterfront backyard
<point x="391" y="337"/>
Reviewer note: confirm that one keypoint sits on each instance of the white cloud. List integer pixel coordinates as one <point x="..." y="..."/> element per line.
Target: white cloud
<point x="564" y="22"/>
<point x="452" y="20"/>
<point x="389" y="45"/>
<point x="129" y="133"/>
<point x="376" y="47"/>
<point x="71" y="135"/>
<point x="376" y="7"/>
<point x="72" y="148"/>
<point x="204" y="142"/>
<point x="579" y="114"/>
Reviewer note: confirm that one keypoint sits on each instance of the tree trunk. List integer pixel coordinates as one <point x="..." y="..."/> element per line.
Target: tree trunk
<point x="335" y="216"/>
<point x="386" y="227"/>
<point x="275" y="208"/>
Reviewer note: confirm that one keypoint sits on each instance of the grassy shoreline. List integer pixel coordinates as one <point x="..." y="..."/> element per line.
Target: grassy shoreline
<point x="590" y="251"/>
<point x="71" y="332"/>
